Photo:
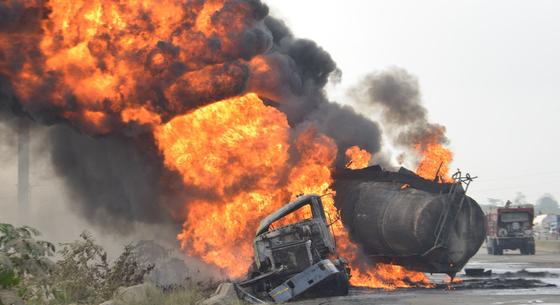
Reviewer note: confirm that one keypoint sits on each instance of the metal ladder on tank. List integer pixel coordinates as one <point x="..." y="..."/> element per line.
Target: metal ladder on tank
<point x="444" y="220"/>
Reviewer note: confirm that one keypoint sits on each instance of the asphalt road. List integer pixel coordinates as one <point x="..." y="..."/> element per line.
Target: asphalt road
<point x="509" y="262"/>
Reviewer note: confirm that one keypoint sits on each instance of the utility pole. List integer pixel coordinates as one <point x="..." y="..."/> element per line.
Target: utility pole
<point x="23" y="169"/>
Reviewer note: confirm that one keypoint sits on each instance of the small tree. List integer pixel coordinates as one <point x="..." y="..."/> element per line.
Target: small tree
<point x="22" y="253"/>
<point x="24" y="261"/>
<point x="81" y="272"/>
<point x="84" y="276"/>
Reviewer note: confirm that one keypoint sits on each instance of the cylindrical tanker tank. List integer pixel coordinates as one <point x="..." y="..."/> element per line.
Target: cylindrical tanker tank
<point x="400" y="217"/>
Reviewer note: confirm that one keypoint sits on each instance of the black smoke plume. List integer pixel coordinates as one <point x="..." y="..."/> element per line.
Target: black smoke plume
<point x="395" y="95"/>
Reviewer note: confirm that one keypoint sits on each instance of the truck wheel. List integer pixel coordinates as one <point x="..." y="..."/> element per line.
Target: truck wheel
<point x="336" y="285"/>
<point x="343" y="284"/>
<point x="498" y="250"/>
<point x="492" y="247"/>
<point x="339" y="285"/>
<point x="489" y="246"/>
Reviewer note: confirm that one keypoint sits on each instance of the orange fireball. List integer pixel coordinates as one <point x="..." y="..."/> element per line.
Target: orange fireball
<point x="435" y="159"/>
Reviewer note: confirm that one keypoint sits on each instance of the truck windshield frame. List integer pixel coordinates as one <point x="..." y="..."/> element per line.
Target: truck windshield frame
<point x="313" y="200"/>
<point x="515" y="217"/>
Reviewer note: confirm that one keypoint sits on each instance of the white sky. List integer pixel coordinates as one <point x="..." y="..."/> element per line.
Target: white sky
<point x="488" y="71"/>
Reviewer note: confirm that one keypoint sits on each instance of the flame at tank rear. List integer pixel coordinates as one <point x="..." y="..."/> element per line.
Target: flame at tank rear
<point x="434" y="159"/>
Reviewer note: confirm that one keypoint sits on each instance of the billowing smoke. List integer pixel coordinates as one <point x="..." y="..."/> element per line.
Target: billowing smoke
<point x="311" y="67"/>
<point x="396" y="96"/>
<point x="113" y="178"/>
<point x="105" y="81"/>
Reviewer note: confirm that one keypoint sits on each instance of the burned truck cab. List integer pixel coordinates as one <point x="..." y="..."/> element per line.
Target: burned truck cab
<point x="295" y="254"/>
<point x="290" y="249"/>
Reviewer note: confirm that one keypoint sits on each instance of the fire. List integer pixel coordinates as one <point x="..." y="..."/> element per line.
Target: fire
<point x="435" y="160"/>
<point x="357" y="157"/>
<point x="455" y="279"/>
<point x="452" y="280"/>
<point x="234" y="154"/>
<point x="390" y="277"/>
<point x="235" y="151"/>
<point x="166" y="57"/>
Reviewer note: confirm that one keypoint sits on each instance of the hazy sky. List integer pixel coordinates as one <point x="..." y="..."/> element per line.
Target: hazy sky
<point x="489" y="72"/>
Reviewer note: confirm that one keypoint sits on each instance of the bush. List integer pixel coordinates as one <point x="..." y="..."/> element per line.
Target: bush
<point x="22" y="253"/>
<point x="24" y="261"/>
<point x="83" y="275"/>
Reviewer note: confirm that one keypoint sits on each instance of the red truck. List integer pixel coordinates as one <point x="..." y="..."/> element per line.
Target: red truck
<point x="511" y="228"/>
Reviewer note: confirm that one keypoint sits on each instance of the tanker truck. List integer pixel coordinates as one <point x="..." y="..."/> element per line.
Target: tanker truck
<point x="396" y="217"/>
<point x="399" y="217"/>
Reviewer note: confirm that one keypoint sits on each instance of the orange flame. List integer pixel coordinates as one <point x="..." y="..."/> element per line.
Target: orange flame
<point x="234" y="153"/>
<point x="450" y="281"/>
<point x="357" y="157"/>
<point x="108" y="56"/>
<point x="435" y="160"/>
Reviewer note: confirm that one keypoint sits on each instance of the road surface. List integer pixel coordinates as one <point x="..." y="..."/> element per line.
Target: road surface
<point x="511" y="262"/>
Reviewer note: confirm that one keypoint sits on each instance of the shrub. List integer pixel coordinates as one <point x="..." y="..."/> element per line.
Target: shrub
<point x="84" y="276"/>
<point x="22" y="253"/>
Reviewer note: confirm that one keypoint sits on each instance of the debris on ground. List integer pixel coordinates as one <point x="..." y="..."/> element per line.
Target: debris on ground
<point x="499" y="283"/>
<point x="226" y="294"/>
<point x="527" y="273"/>
<point x="477" y="272"/>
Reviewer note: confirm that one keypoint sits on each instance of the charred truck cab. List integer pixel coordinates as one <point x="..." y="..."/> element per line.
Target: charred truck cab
<point x="296" y="259"/>
<point x="510" y="228"/>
